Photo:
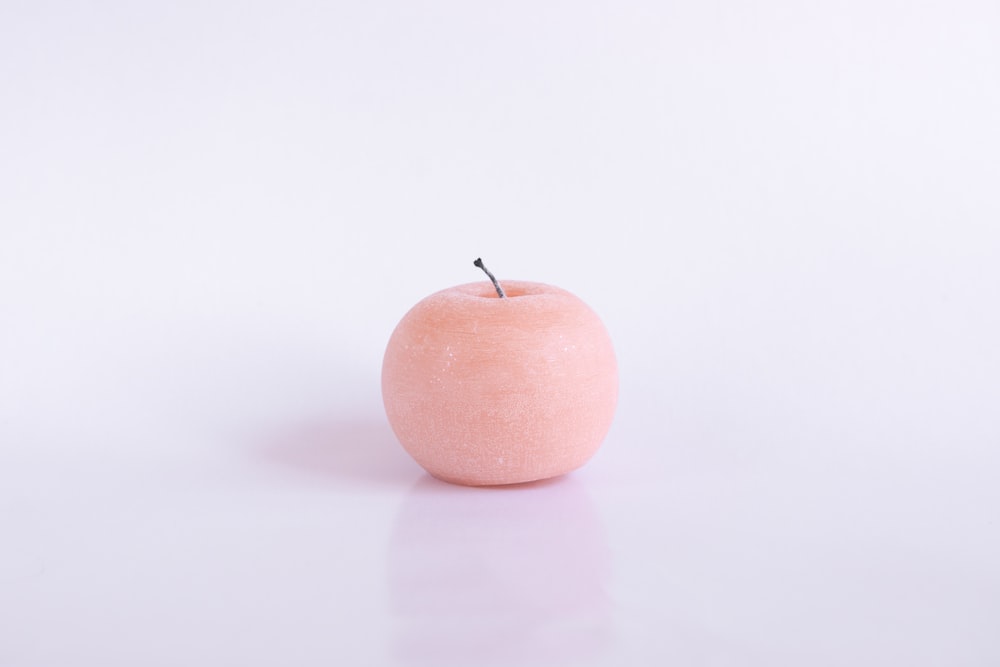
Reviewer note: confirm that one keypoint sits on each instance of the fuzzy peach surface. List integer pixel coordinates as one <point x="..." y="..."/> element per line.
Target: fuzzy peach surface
<point x="484" y="391"/>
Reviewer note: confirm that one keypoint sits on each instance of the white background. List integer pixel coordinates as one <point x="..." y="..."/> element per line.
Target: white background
<point x="212" y="215"/>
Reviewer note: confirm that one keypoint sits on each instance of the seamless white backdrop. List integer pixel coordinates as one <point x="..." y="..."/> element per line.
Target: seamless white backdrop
<point x="213" y="214"/>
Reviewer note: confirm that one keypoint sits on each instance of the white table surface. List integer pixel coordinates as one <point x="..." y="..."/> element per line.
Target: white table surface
<point x="213" y="214"/>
